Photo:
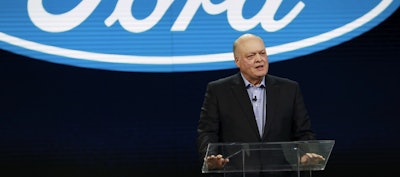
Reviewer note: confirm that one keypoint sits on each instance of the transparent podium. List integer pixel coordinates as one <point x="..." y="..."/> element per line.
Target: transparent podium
<point x="247" y="158"/>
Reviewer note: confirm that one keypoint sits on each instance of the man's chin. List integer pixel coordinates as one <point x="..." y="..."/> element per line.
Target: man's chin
<point x="261" y="73"/>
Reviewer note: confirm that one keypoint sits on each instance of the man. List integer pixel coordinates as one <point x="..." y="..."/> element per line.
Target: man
<point x="252" y="106"/>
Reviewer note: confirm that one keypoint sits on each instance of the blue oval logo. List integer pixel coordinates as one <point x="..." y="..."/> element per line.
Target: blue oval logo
<point x="176" y="35"/>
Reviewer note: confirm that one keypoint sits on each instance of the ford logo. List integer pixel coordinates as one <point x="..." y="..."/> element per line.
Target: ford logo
<point x="177" y="35"/>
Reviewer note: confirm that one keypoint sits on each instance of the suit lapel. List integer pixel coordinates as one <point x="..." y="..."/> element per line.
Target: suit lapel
<point x="273" y="92"/>
<point x="242" y="97"/>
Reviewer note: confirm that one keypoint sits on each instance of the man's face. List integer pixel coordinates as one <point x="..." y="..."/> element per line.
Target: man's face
<point x="252" y="59"/>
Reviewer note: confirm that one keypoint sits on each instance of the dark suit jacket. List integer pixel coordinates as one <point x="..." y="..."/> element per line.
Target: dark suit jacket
<point x="227" y="113"/>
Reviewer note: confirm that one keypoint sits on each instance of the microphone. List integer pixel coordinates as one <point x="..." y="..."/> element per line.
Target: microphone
<point x="254" y="99"/>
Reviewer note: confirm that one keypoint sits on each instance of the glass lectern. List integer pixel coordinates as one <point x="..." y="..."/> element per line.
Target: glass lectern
<point x="268" y="157"/>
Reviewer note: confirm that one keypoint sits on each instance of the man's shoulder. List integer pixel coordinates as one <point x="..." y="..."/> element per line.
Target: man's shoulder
<point x="237" y="79"/>
<point x="234" y="78"/>
<point x="280" y="80"/>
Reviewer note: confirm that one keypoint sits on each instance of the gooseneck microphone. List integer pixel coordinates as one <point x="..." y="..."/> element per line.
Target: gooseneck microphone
<point x="254" y="99"/>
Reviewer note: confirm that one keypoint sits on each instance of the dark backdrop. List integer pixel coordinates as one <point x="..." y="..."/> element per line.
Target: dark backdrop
<point x="58" y="120"/>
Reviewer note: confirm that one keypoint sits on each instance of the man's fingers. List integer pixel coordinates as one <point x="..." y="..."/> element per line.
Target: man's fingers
<point x="315" y="156"/>
<point x="311" y="158"/>
<point x="216" y="161"/>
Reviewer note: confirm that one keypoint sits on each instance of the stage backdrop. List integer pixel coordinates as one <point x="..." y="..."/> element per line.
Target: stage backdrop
<point x="93" y="88"/>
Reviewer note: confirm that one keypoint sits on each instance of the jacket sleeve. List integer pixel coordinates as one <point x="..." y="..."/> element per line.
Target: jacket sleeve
<point x="208" y="125"/>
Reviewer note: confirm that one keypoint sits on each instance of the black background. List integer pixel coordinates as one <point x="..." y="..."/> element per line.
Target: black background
<point x="58" y="120"/>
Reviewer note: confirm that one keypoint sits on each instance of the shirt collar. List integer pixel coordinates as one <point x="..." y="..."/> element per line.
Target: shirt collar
<point x="248" y="84"/>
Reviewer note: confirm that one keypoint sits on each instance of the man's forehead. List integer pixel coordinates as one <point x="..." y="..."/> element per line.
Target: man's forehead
<point x="251" y="47"/>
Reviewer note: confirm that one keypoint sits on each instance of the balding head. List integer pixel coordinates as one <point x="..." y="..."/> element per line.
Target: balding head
<point x="241" y="39"/>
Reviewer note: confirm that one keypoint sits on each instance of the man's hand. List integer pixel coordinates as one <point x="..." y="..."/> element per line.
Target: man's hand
<point x="215" y="162"/>
<point x="311" y="159"/>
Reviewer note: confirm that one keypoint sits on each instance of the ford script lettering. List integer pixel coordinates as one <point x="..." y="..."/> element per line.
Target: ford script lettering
<point x="178" y="35"/>
<point x="122" y="13"/>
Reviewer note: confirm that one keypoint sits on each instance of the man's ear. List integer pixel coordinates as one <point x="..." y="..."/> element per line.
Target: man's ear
<point x="237" y="61"/>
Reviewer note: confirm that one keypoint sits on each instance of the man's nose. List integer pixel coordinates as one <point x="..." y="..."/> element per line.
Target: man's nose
<point x="258" y="58"/>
